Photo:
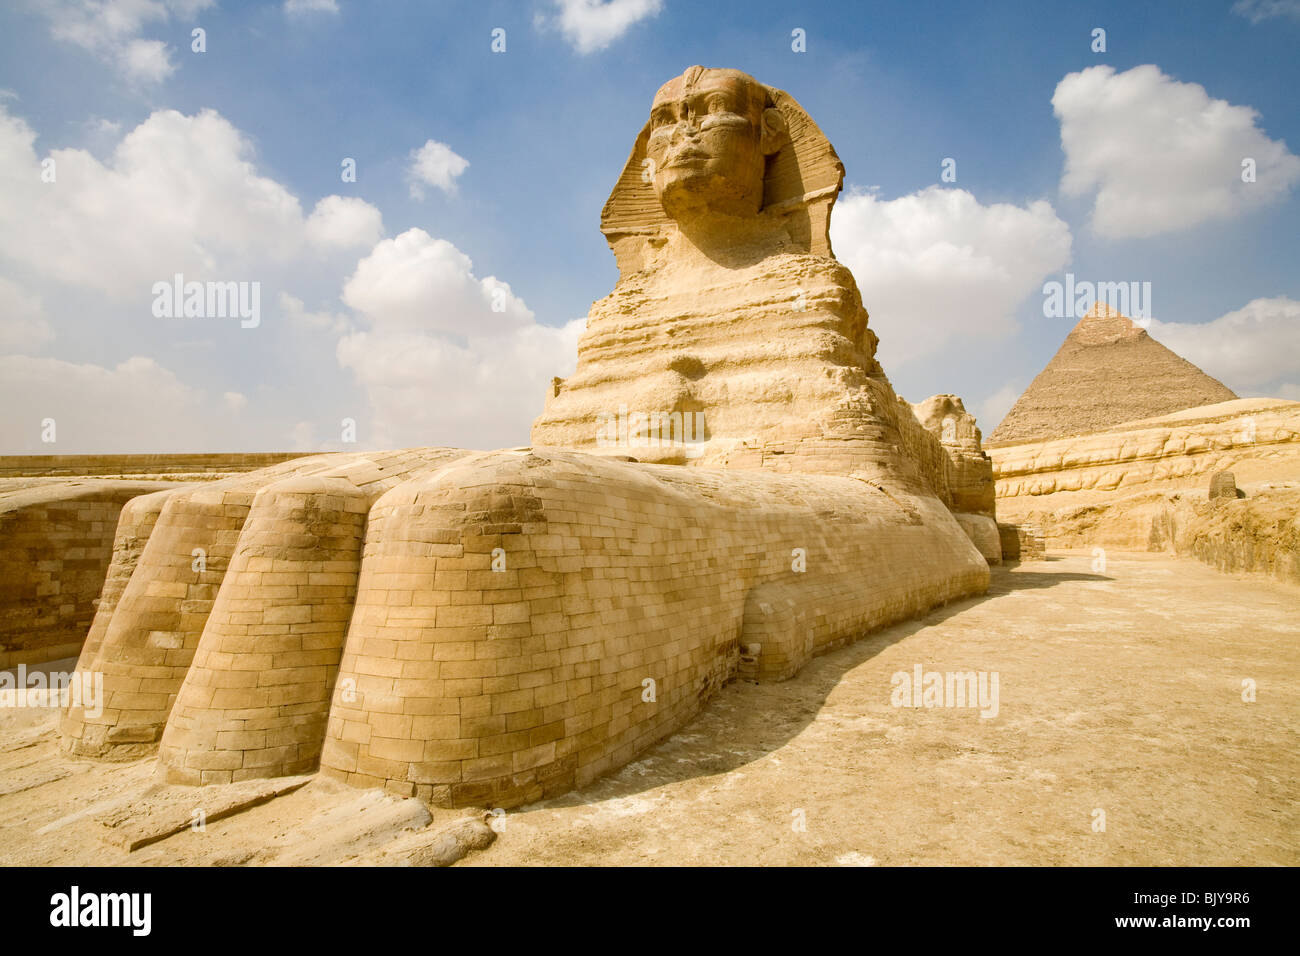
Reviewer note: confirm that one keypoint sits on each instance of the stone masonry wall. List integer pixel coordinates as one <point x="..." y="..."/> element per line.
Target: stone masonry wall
<point x="56" y="541"/>
<point x="13" y="466"/>
<point x="465" y="684"/>
<point x="475" y="627"/>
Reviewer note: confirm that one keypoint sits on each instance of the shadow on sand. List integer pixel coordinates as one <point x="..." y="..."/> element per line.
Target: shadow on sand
<point x="717" y="740"/>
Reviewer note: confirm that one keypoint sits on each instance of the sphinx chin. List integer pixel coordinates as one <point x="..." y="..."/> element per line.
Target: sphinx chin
<point x="727" y="486"/>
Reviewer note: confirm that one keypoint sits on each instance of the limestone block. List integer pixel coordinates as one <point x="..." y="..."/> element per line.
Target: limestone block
<point x="1020" y="542"/>
<point x="56" y="546"/>
<point x="969" y="477"/>
<point x="983" y="533"/>
<point x="628" y="633"/>
<point x="1223" y="485"/>
<point x="1009" y="541"/>
<point x="155" y="627"/>
<point x="280" y="666"/>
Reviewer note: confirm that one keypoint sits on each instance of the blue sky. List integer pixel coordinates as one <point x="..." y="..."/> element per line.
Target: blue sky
<point x="953" y="282"/>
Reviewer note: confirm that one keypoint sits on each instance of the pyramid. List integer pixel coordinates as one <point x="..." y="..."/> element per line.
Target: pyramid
<point x="1107" y="371"/>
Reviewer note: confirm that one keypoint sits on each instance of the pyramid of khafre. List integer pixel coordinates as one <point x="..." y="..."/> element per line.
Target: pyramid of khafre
<point x="1107" y="371"/>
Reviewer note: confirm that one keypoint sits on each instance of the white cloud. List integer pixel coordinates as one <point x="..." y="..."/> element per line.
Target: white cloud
<point x="1256" y="11"/>
<point x="435" y="164"/>
<point x="101" y="126"/>
<point x="1162" y="155"/>
<point x="175" y="194"/>
<point x="187" y="9"/>
<point x="147" y="60"/>
<point x="439" y="365"/>
<point x="310" y="6"/>
<point x="591" y="25"/>
<point x="938" y="266"/>
<point x="994" y="408"/>
<point x="344" y="222"/>
<point x="433" y="353"/>
<point x="23" y="327"/>
<point x="1247" y="350"/>
<point x="298" y="315"/>
<point x="111" y="30"/>
<point x="185" y="188"/>
<point x="95" y="409"/>
<point x="417" y="283"/>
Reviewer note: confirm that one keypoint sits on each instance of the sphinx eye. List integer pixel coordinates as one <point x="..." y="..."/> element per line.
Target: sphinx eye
<point x="661" y="117"/>
<point x="718" y="104"/>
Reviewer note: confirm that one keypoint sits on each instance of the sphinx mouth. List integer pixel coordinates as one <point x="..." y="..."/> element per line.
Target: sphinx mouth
<point x="688" y="156"/>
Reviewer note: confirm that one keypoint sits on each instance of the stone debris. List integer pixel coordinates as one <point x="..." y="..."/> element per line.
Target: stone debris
<point x="163" y="811"/>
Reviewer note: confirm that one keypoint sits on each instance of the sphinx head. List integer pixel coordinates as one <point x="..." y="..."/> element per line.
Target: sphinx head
<point x="711" y="132"/>
<point x="722" y="159"/>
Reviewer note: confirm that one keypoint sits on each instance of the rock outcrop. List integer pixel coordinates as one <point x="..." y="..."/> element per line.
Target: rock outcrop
<point x="1107" y="372"/>
<point x="968" y="476"/>
<point x="1145" y="485"/>
<point x="1258" y="439"/>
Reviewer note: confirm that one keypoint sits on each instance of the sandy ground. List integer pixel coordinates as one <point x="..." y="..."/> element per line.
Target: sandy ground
<point x="1119" y="690"/>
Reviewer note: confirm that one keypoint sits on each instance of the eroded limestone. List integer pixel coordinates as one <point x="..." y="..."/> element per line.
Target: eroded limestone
<point x="476" y="627"/>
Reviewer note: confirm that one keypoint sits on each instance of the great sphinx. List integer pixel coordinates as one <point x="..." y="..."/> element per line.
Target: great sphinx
<point x="494" y="627"/>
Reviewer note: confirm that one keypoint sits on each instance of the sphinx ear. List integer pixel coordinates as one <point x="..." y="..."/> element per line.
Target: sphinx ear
<point x="775" y="133"/>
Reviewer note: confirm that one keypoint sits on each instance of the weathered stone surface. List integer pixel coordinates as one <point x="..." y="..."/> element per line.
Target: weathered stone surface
<point x="56" y="543"/>
<point x="733" y="338"/>
<point x="148" y="628"/>
<point x="1143" y="485"/>
<point x="56" y="539"/>
<point x="983" y="533"/>
<point x="1223" y="485"/>
<point x="1259" y="534"/>
<point x="1258" y="439"/>
<point x="165" y="811"/>
<point x="969" y="477"/>
<point x="469" y="627"/>
<point x="507" y="686"/>
<point x="1108" y="371"/>
<point x="1021" y="542"/>
<point x="1029" y="542"/>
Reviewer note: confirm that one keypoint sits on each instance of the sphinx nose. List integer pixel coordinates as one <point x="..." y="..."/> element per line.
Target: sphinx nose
<point x="687" y="126"/>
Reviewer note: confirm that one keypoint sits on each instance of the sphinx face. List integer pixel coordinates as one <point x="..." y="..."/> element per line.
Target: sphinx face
<point x="706" y="144"/>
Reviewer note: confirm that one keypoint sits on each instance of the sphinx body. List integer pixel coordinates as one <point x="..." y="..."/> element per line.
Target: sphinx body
<point x="494" y="627"/>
